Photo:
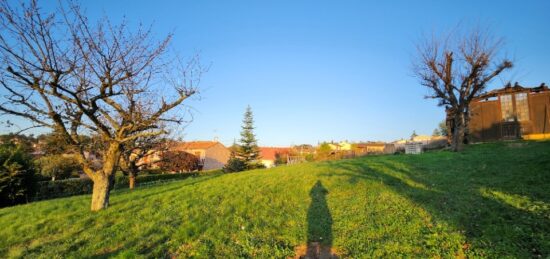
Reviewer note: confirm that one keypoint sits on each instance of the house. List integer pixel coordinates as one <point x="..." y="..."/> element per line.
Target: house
<point x="509" y="113"/>
<point x="212" y="154"/>
<point x="301" y="153"/>
<point x="424" y="141"/>
<point x="334" y="146"/>
<point x="270" y="154"/>
<point x="342" y="146"/>
<point x="430" y="142"/>
<point x="304" y="149"/>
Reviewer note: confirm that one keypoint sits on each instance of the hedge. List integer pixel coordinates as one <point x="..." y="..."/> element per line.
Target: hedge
<point x="70" y="187"/>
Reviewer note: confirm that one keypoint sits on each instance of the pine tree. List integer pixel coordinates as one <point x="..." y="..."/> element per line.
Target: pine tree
<point x="248" y="148"/>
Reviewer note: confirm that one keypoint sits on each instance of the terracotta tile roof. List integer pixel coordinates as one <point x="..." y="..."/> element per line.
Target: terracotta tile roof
<point x="195" y="145"/>
<point x="268" y="153"/>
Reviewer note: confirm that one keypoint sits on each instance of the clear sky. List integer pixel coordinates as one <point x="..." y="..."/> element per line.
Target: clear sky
<point x="327" y="70"/>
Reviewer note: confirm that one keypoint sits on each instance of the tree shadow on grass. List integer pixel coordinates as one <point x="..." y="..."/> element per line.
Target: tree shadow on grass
<point x="491" y="226"/>
<point x="136" y="248"/>
<point x="133" y="245"/>
<point x="151" y="193"/>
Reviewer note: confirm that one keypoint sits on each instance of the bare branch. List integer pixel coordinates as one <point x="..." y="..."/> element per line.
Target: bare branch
<point x="459" y="68"/>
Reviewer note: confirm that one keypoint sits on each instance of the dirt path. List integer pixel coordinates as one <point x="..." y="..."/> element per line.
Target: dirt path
<point x="315" y="250"/>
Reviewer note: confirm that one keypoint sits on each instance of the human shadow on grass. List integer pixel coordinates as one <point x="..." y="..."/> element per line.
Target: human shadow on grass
<point x="488" y="223"/>
<point x="319" y="225"/>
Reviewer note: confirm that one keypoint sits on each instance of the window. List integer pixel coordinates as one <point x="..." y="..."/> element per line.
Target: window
<point x="507" y="107"/>
<point x="522" y="108"/>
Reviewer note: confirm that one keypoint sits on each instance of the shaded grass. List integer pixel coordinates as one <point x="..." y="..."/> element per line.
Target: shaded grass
<point x="493" y="200"/>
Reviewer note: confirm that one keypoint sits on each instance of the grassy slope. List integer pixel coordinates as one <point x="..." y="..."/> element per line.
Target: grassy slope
<point x="492" y="200"/>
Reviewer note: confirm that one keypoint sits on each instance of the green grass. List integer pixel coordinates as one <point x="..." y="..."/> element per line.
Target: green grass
<point x="493" y="200"/>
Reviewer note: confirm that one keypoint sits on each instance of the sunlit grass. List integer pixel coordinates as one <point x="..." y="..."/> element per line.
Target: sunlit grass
<point x="490" y="201"/>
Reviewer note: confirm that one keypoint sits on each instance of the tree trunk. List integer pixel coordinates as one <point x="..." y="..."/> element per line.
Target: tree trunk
<point x="466" y="119"/>
<point x="457" y="143"/>
<point x="104" y="180"/>
<point x="100" y="194"/>
<point x="133" y="172"/>
<point x="132" y="181"/>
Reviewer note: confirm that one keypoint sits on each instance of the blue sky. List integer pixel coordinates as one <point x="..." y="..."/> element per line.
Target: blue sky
<point x="327" y="70"/>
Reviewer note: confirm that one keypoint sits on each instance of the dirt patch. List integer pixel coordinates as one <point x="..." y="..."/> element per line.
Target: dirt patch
<point x="315" y="250"/>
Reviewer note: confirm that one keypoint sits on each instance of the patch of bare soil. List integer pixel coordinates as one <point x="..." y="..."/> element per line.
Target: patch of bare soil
<point x="315" y="250"/>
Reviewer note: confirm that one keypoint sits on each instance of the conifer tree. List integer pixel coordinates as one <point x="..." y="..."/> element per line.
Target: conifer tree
<point x="248" y="151"/>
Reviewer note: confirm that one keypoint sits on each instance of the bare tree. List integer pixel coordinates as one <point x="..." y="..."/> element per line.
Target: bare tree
<point x="134" y="152"/>
<point x="457" y="69"/>
<point x="79" y="78"/>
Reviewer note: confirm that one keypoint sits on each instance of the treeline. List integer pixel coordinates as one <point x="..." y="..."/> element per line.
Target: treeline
<point x="44" y="167"/>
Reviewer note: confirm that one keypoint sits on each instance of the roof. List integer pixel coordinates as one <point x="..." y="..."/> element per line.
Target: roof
<point x="268" y="153"/>
<point x="401" y="141"/>
<point x="375" y="145"/>
<point x="196" y="145"/>
<point x="422" y="138"/>
<point x="371" y="143"/>
<point x="304" y="146"/>
<point x="512" y="89"/>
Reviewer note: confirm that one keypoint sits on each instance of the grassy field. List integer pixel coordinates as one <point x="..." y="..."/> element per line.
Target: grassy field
<point x="493" y="200"/>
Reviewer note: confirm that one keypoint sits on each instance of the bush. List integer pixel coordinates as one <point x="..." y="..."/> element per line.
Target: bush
<point x="255" y="165"/>
<point x="281" y="159"/>
<point x="62" y="188"/>
<point x="58" y="166"/>
<point x="70" y="187"/>
<point x="179" y="161"/>
<point x="148" y="171"/>
<point x="234" y="165"/>
<point x="122" y="181"/>
<point x="17" y="175"/>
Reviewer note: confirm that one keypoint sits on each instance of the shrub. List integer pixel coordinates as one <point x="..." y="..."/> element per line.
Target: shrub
<point x="324" y="152"/>
<point x="281" y="158"/>
<point x="148" y="171"/>
<point x="122" y="181"/>
<point x="17" y="175"/>
<point x="234" y="165"/>
<point x="255" y="165"/>
<point x="62" y="188"/>
<point x="71" y="187"/>
<point x="179" y="161"/>
<point x="58" y="166"/>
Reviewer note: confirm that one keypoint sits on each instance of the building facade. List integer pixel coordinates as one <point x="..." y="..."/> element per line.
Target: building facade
<point x="374" y="148"/>
<point x="511" y="112"/>
<point x="270" y="154"/>
<point x="212" y="154"/>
